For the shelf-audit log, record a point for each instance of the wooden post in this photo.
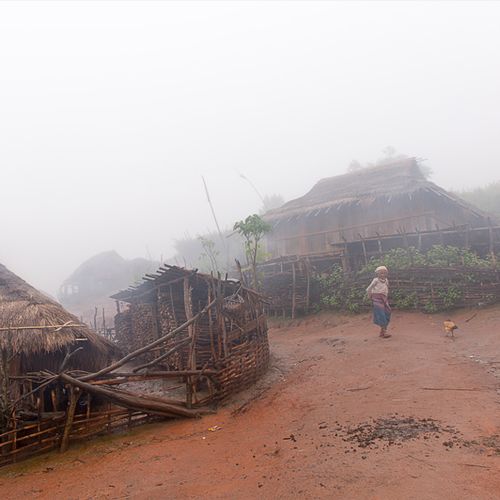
(364, 248)
(419, 244)
(490, 239)
(172, 303)
(345, 258)
(103, 322)
(407, 246)
(191, 364)
(221, 292)
(308, 288)
(210, 324)
(5, 395)
(379, 244)
(14, 442)
(89, 402)
(294, 296)
(53, 398)
(70, 415)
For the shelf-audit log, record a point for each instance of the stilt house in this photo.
(374, 202)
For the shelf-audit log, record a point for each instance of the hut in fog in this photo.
(370, 203)
(91, 284)
(39, 331)
(36, 334)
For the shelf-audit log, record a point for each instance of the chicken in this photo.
(450, 327)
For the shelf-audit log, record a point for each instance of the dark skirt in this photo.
(381, 310)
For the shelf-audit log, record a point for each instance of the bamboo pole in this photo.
(40, 327)
(4, 397)
(191, 365)
(308, 286)
(73, 400)
(133, 401)
(210, 322)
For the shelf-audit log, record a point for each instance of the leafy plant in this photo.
(430, 307)
(253, 229)
(402, 301)
(447, 288)
(437, 256)
(337, 292)
(451, 297)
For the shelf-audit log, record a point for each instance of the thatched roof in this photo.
(364, 187)
(21, 305)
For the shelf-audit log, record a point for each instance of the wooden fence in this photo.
(32, 439)
(433, 289)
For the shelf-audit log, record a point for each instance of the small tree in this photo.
(253, 229)
(210, 254)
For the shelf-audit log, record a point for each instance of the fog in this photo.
(110, 113)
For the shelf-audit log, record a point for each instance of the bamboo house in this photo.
(371, 203)
(220, 330)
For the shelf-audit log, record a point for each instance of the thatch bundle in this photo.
(22, 306)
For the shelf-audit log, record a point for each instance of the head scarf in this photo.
(381, 268)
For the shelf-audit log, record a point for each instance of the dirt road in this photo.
(342, 414)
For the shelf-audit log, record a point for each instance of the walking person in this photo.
(378, 293)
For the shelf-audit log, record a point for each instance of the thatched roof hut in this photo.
(92, 282)
(21, 307)
(382, 200)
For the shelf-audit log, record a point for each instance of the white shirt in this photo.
(378, 286)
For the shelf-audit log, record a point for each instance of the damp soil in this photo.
(341, 414)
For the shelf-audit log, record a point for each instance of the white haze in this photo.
(110, 112)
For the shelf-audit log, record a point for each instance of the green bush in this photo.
(337, 292)
(437, 256)
(430, 307)
(347, 292)
(402, 301)
(451, 296)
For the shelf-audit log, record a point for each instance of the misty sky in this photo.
(110, 113)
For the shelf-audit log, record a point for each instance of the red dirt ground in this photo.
(285, 437)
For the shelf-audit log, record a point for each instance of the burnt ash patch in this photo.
(488, 444)
(396, 429)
